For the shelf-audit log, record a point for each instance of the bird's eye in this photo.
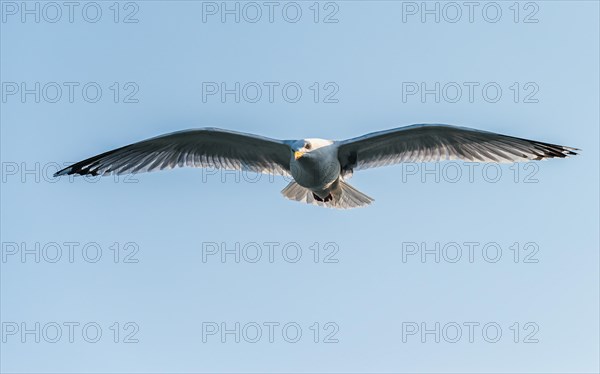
(307, 146)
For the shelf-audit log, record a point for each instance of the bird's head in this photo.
(304, 147)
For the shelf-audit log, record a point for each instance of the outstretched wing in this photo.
(424, 143)
(207, 147)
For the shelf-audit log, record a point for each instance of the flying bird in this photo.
(319, 167)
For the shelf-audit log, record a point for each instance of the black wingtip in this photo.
(570, 151)
(65, 171)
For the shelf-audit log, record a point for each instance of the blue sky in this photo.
(141, 258)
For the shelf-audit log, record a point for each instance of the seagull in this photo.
(319, 167)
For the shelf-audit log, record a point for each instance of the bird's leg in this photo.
(326, 199)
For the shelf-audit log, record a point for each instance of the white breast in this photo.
(317, 169)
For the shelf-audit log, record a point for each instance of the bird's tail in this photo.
(343, 196)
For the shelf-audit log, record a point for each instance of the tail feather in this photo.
(344, 196)
(353, 198)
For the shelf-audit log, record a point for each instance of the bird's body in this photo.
(318, 169)
(319, 166)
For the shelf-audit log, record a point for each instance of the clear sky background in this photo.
(368, 290)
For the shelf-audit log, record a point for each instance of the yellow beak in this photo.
(298, 154)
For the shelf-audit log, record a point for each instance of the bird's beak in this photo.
(298, 154)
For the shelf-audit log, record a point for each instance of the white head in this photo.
(304, 146)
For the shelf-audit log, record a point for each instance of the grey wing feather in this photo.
(207, 147)
(424, 143)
